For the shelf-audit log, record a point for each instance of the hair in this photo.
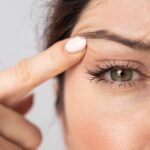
(61, 19)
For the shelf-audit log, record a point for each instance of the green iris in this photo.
(119, 74)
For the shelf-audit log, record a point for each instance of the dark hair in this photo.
(62, 17)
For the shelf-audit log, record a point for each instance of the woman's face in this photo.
(107, 95)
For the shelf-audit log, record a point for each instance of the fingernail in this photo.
(75, 44)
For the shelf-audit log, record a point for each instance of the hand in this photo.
(16, 133)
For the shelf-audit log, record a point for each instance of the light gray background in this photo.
(17, 41)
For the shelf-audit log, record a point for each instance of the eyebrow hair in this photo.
(105, 34)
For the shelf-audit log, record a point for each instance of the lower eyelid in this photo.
(121, 86)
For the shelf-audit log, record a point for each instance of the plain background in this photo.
(18, 41)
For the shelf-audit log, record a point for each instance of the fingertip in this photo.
(75, 44)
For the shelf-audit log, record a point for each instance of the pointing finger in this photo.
(31, 72)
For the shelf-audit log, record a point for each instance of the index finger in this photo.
(31, 72)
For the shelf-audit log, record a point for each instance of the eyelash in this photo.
(98, 72)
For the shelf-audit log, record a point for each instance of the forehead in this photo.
(127, 17)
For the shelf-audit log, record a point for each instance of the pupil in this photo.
(121, 73)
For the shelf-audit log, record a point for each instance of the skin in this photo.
(17, 133)
(103, 116)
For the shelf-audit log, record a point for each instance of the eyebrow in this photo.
(105, 34)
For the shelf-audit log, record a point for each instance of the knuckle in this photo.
(22, 71)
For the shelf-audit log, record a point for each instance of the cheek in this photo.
(98, 121)
(85, 131)
(82, 121)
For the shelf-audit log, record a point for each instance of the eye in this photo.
(118, 73)
(122, 75)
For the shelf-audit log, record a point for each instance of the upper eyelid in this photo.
(131, 63)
